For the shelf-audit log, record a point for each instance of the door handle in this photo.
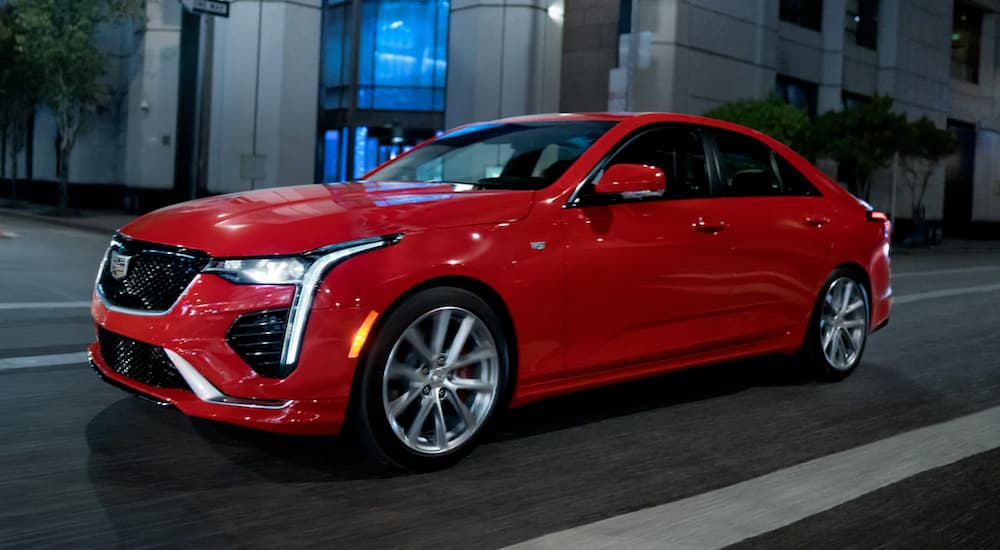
(818, 221)
(704, 226)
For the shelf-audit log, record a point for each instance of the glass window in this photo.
(746, 166)
(331, 155)
(336, 55)
(797, 92)
(402, 59)
(792, 181)
(966, 27)
(805, 13)
(676, 151)
(861, 23)
(513, 156)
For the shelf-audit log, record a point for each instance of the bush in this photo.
(770, 116)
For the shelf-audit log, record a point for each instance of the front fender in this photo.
(522, 262)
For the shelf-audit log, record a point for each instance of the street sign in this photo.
(219, 8)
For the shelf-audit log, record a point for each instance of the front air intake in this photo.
(258, 338)
(144, 363)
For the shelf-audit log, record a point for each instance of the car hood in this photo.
(289, 220)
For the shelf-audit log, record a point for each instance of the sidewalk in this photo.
(104, 222)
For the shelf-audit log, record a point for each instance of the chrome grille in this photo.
(144, 363)
(155, 277)
(258, 338)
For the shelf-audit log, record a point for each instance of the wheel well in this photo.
(863, 275)
(475, 286)
(484, 291)
(480, 289)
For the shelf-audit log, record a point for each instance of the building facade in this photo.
(935, 58)
(284, 92)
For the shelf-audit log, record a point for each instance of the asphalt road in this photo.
(84, 465)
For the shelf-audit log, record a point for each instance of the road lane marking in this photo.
(731, 514)
(943, 293)
(44, 305)
(35, 361)
(955, 271)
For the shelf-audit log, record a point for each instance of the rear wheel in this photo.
(432, 380)
(838, 327)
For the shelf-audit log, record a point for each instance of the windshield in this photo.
(527, 155)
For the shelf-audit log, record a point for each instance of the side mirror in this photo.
(631, 178)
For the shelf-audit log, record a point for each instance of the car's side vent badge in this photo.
(538, 245)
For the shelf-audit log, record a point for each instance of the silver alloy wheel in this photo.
(441, 380)
(843, 324)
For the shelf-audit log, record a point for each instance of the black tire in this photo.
(369, 422)
(812, 352)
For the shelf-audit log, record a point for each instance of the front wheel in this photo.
(432, 379)
(838, 327)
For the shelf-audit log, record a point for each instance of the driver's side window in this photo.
(676, 151)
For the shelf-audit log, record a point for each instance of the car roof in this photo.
(647, 117)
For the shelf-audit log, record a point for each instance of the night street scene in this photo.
(500, 274)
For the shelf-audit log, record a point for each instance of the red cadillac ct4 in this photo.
(495, 265)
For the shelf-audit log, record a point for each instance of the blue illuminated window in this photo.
(402, 55)
(402, 59)
(331, 155)
(361, 164)
(335, 155)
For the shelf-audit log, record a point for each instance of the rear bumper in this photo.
(881, 310)
(313, 416)
(882, 325)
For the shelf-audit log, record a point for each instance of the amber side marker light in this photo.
(362, 335)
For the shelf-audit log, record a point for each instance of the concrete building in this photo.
(936, 58)
(322, 90)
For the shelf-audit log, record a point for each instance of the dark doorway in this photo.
(958, 180)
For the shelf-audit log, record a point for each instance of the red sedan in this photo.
(498, 264)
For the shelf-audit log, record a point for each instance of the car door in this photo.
(779, 231)
(646, 276)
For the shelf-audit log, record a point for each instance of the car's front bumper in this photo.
(314, 416)
(311, 399)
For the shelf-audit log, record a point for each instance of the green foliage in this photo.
(922, 146)
(923, 139)
(865, 137)
(770, 116)
(54, 39)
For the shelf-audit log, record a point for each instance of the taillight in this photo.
(876, 216)
(882, 218)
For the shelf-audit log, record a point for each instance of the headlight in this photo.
(260, 271)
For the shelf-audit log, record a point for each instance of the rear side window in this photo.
(746, 166)
(792, 181)
(751, 169)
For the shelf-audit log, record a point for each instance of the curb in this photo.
(79, 224)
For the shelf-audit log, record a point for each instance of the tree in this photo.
(864, 137)
(770, 116)
(922, 146)
(18, 95)
(56, 39)
(6, 65)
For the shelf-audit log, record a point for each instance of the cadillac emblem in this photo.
(119, 265)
